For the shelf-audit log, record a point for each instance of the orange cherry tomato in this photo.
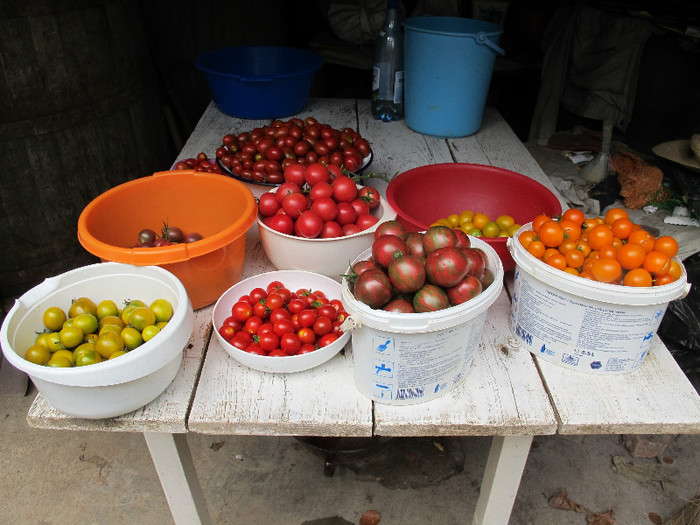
(551, 234)
(657, 263)
(526, 237)
(583, 246)
(606, 270)
(608, 252)
(575, 215)
(660, 280)
(591, 222)
(571, 230)
(676, 269)
(539, 221)
(621, 228)
(557, 260)
(572, 271)
(637, 277)
(574, 258)
(599, 236)
(566, 245)
(631, 255)
(614, 214)
(536, 248)
(667, 245)
(642, 237)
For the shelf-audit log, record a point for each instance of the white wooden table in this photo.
(509, 395)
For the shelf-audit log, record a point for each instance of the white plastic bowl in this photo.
(329, 257)
(292, 279)
(114, 387)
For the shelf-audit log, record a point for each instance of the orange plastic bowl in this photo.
(425, 194)
(218, 207)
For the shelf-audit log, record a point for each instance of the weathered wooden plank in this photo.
(503, 395)
(233, 399)
(166, 413)
(657, 398)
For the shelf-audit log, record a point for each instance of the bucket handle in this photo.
(482, 38)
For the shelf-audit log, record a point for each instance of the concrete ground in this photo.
(65, 477)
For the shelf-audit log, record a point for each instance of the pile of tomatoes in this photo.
(318, 201)
(169, 235)
(201, 163)
(610, 249)
(262, 154)
(87, 332)
(414, 272)
(275, 321)
(480, 225)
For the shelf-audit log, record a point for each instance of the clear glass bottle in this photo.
(387, 74)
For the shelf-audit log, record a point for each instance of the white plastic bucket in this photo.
(404, 359)
(581, 324)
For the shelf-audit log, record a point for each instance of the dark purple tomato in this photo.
(487, 278)
(385, 247)
(464, 290)
(414, 240)
(399, 305)
(162, 242)
(430, 298)
(438, 237)
(173, 234)
(463, 240)
(147, 235)
(476, 261)
(407, 273)
(373, 288)
(392, 227)
(446, 266)
(192, 237)
(361, 266)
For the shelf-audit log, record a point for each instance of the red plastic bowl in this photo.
(425, 194)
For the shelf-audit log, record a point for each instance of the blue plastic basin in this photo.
(259, 82)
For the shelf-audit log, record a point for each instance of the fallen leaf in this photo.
(601, 518)
(562, 501)
(655, 518)
(216, 446)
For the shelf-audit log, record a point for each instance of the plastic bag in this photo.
(680, 327)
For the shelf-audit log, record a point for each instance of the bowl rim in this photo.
(177, 252)
(401, 178)
(314, 61)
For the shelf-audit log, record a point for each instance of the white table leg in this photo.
(173, 461)
(504, 468)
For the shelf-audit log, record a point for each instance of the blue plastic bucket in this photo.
(259, 82)
(448, 66)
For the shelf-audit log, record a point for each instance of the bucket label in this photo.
(578, 333)
(417, 367)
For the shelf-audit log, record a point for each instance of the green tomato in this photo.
(88, 358)
(132, 337)
(59, 362)
(71, 336)
(108, 343)
(150, 332)
(54, 318)
(163, 310)
(107, 308)
(37, 354)
(87, 323)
